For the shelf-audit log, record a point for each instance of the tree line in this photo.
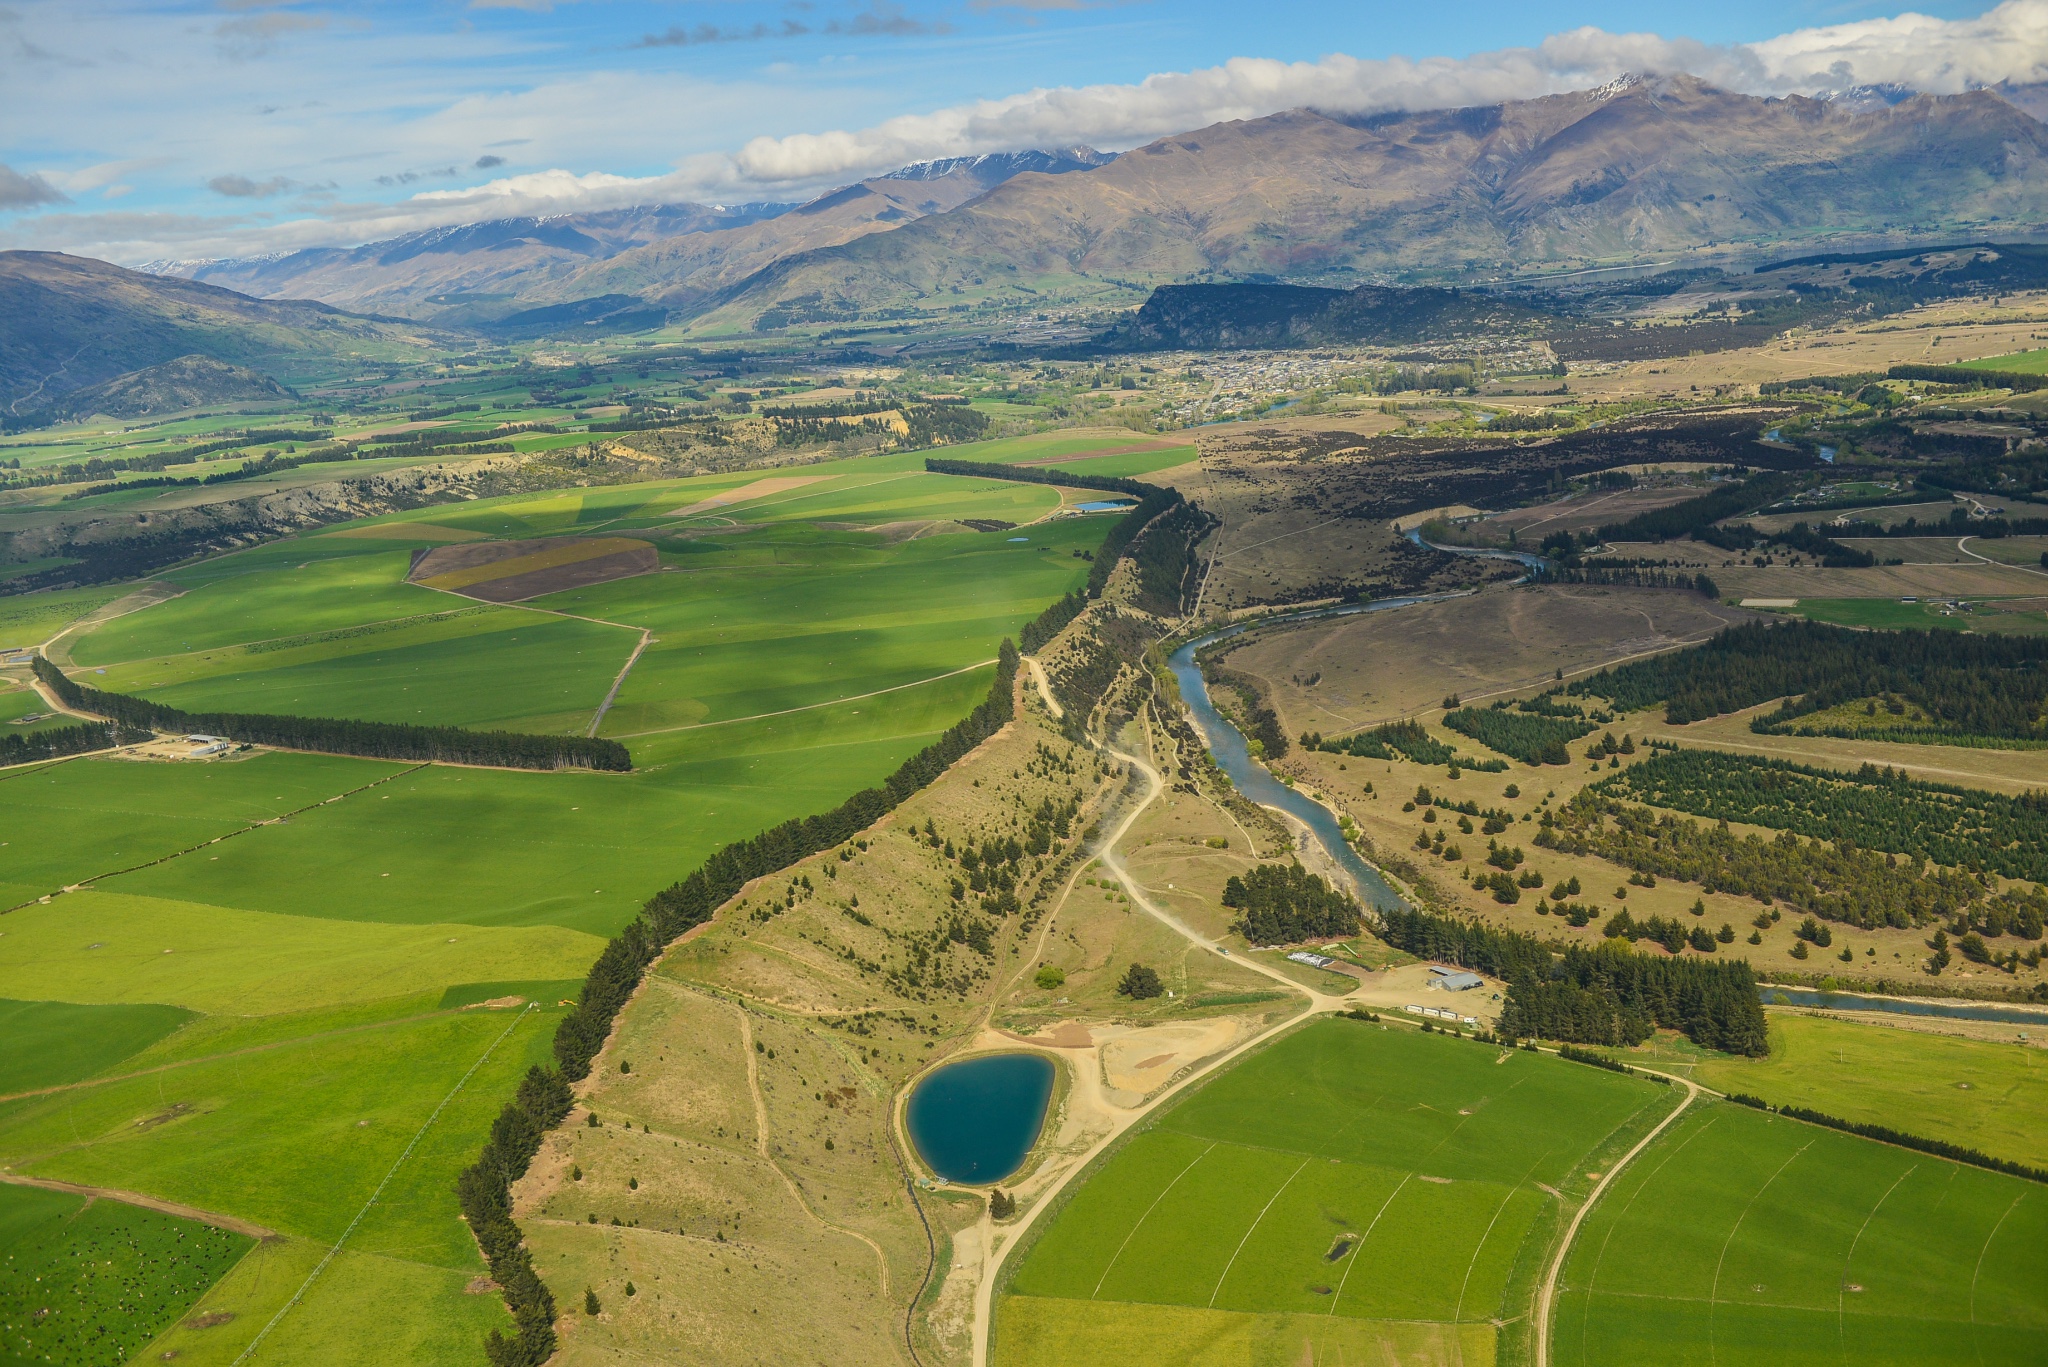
(1973, 378)
(1280, 904)
(57, 741)
(1604, 995)
(346, 736)
(1631, 576)
(1973, 684)
(1165, 559)
(1940, 1148)
(1696, 514)
(925, 424)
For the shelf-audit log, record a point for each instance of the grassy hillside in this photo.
(69, 322)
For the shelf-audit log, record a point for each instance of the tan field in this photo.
(1964, 580)
(1941, 334)
(1376, 667)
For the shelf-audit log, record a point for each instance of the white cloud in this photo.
(2009, 43)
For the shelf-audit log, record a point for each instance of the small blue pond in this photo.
(1105, 507)
(974, 1121)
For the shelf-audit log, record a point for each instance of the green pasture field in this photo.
(16, 703)
(791, 617)
(1878, 613)
(284, 589)
(770, 611)
(503, 669)
(2018, 363)
(107, 947)
(1347, 1172)
(1988, 1096)
(83, 818)
(52, 1043)
(1889, 613)
(297, 1139)
(33, 618)
(1740, 1237)
(1071, 451)
(89, 1282)
(590, 848)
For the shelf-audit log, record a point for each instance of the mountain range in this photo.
(1659, 172)
(671, 255)
(1640, 170)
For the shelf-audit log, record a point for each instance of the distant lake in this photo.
(975, 1120)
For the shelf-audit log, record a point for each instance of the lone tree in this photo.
(590, 1305)
(1140, 982)
(1001, 1205)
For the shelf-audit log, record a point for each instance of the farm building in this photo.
(1451, 980)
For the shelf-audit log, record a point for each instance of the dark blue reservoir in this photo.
(975, 1120)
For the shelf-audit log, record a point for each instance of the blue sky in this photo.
(134, 130)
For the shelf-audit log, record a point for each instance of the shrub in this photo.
(1140, 983)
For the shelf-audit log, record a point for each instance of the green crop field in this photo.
(1984, 1095)
(34, 618)
(439, 671)
(248, 983)
(2018, 363)
(52, 1043)
(1349, 1186)
(1130, 455)
(85, 1283)
(1878, 613)
(1740, 1237)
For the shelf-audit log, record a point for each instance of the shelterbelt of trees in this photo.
(484, 1188)
(1605, 995)
(1990, 686)
(58, 741)
(344, 736)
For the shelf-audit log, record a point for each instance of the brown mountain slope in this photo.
(67, 322)
(1629, 173)
(472, 266)
(674, 253)
(681, 272)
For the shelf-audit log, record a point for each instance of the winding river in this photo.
(1233, 753)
